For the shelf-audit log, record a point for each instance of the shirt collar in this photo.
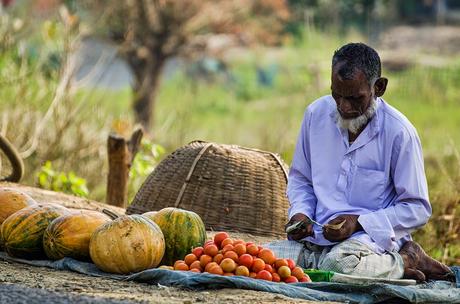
(375, 120)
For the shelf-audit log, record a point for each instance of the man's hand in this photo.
(306, 230)
(350, 226)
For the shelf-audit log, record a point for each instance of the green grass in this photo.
(430, 99)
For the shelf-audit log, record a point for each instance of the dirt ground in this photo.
(29, 284)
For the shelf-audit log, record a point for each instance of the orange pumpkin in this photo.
(11, 201)
(127, 244)
(69, 235)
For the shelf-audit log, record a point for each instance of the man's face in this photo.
(352, 96)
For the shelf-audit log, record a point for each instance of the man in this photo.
(358, 173)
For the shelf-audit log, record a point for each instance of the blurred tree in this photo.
(368, 16)
(297, 22)
(151, 31)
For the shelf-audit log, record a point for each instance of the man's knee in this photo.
(359, 264)
(345, 263)
(286, 249)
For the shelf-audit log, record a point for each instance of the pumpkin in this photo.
(183, 230)
(150, 214)
(69, 235)
(11, 201)
(22, 232)
(127, 244)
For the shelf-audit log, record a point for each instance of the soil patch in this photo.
(28, 284)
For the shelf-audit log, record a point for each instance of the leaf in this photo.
(43, 180)
(62, 182)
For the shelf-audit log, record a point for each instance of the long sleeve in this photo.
(411, 208)
(300, 189)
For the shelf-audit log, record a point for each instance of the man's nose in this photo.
(344, 105)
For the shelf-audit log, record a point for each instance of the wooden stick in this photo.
(121, 154)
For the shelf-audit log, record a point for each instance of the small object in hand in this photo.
(296, 226)
(336, 226)
(310, 221)
(302, 224)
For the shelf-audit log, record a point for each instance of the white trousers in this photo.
(348, 257)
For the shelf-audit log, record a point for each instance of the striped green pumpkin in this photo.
(22, 232)
(12, 201)
(183, 230)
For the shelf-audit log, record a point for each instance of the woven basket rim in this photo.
(276, 156)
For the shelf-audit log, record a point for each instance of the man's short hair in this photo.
(358, 56)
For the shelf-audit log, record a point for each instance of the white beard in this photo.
(354, 124)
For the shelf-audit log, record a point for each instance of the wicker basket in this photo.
(232, 188)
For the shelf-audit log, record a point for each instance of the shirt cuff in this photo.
(302, 208)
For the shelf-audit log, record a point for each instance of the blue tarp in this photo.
(432, 292)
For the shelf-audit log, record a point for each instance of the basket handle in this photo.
(189, 175)
(274, 155)
(278, 160)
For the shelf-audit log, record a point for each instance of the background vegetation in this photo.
(61, 126)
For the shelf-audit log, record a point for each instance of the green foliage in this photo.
(145, 161)
(49, 178)
(44, 116)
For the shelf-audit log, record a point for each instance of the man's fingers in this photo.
(292, 221)
(334, 238)
(298, 217)
(333, 235)
(414, 274)
(302, 233)
(298, 235)
(334, 231)
(310, 231)
(336, 221)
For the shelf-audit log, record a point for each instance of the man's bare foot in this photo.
(420, 266)
(414, 274)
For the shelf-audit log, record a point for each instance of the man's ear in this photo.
(380, 86)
